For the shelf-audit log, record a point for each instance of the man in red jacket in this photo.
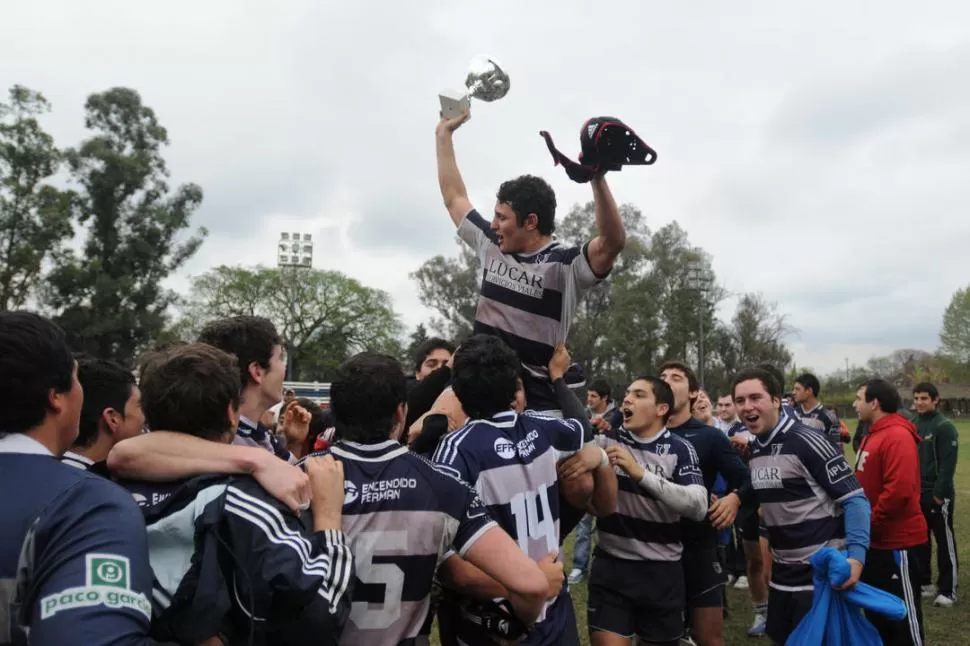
(887, 467)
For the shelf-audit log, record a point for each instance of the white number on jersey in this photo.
(525, 510)
(366, 615)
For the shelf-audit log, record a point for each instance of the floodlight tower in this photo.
(295, 250)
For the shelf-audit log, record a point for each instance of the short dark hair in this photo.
(928, 388)
(189, 389)
(662, 393)
(692, 383)
(601, 387)
(366, 392)
(429, 346)
(35, 359)
(884, 392)
(768, 380)
(530, 194)
(483, 376)
(775, 373)
(106, 385)
(248, 338)
(809, 382)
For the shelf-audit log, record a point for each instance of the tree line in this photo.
(88, 235)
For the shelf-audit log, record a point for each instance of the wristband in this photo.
(604, 458)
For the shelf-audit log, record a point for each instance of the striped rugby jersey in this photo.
(528, 300)
(511, 461)
(822, 420)
(800, 481)
(643, 528)
(401, 516)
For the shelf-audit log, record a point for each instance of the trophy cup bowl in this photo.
(486, 81)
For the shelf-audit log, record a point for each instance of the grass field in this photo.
(943, 627)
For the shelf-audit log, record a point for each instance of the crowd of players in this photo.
(448, 497)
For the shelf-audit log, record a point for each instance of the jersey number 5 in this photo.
(364, 614)
(526, 508)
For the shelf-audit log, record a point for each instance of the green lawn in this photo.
(943, 627)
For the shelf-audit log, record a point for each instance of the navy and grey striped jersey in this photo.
(643, 528)
(823, 420)
(511, 461)
(73, 553)
(255, 434)
(228, 558)
(528, 300)
(401, 516)
(800, 479)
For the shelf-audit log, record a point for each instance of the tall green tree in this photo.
(449, 286)
(955, 331)
(35, 216)
(109, 298)
(324, 317)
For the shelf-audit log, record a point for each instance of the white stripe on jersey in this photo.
(270, 521)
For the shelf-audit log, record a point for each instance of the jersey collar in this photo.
(24, 444)
(386, 450)
(784, 423)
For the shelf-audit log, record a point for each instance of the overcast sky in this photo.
(819, 150)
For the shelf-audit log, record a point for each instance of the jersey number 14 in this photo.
(527, 507)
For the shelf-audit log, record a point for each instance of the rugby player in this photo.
(511, 460)
(111, 413)
(401, 514)
(532, 284)
(808, 493)
(810, 411)
(73, 551)
(636, 584)
(227, 558)
(704, 576)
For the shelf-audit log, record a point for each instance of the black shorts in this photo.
(750, 526)
(704, 578)
(785, 611)
(642, 598)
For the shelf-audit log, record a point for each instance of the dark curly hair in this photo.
(484, 376)
(530, 194)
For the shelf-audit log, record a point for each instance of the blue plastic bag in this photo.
(836, 618)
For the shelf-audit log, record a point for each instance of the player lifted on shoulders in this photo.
(532, 284)
(511, 460)
(636, 585)
(401, 514)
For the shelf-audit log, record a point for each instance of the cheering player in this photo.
(401, 514)
(532, 284)
(636, 585)
(511, 459)
(809, 496)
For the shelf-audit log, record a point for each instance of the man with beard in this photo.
(704, 577)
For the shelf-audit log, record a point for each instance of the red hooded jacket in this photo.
(887, 467)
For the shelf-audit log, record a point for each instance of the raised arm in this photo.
(452, 186)
(605, 247)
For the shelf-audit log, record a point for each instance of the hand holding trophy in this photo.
(486, 81)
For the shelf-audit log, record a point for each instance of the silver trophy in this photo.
(486, 81)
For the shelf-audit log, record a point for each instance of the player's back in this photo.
(511, 461)
(401, 516)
